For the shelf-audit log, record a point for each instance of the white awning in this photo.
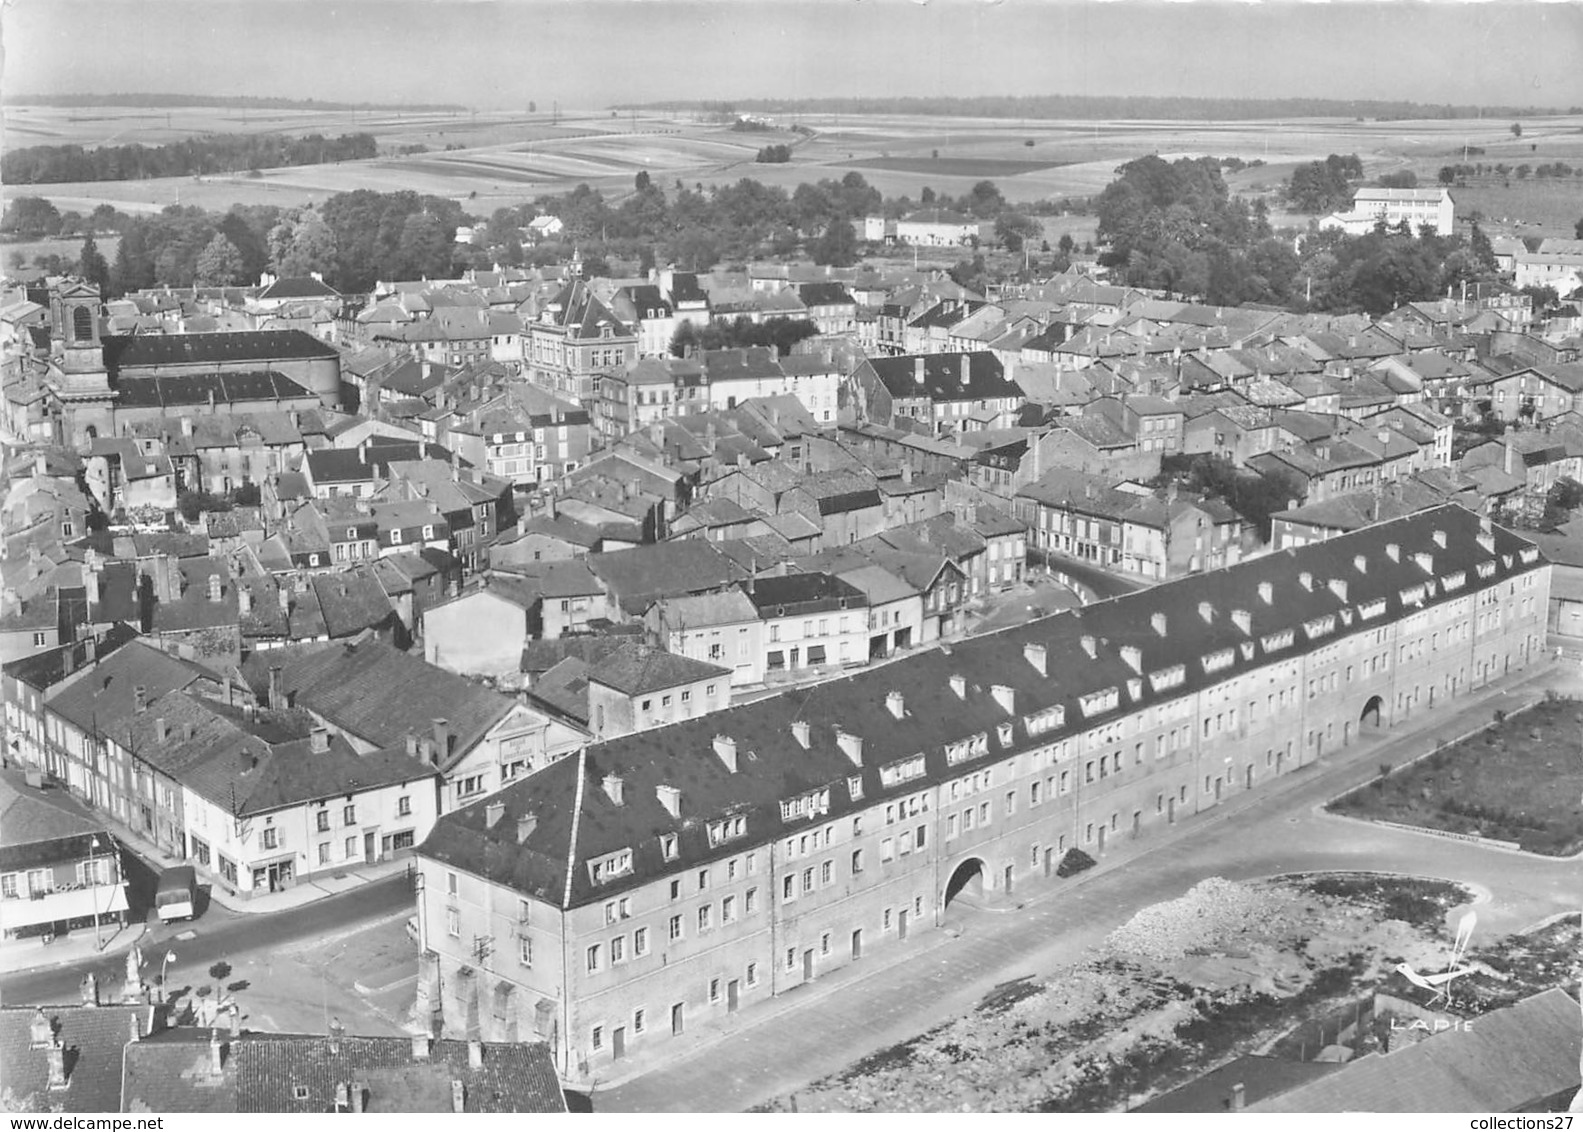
(70, 905)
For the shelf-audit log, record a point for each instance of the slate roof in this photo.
(700, 611)
(189, 389)
(105, 697)
(303, 1073)
(134, 351)
(567, 794)
(260, 763)
(539, 657)
(642, 574)
(299, 287)
(380, 694)
(352, 601)
(33, 818)
(1506, 1061)
(93, 1037)
(634, 669)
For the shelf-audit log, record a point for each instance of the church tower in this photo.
(77, 378)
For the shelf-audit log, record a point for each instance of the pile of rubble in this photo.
(1211, 915)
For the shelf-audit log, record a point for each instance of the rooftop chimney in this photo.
(1361, 564)
(851, 745)
(319, 740)
(56, 1053)
(458, 1095)
(896, 704)
(1006, 697)
(337, 1032)
(216, 1054)
(1239, 1097)
(726, 748)
(1090, 645)
(959, 685)
(1306, 580)
(140, 697)
(442, 738)
(800, 732)
(1243, 620)
(967, 369)
(1393, 551)
(526, 824)
(277, 694)
(216, 590)
(40, 1032)
(1206, 610)
(420, 1047)
(615, 789)
(475, 1055)
(493, 812)
(1036, 655)
(1132, 657)
(1157, 621)
(161, 731)
(917, 370)
(670, 798)
(1266, 593)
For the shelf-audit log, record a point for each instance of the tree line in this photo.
(237, 101)
(1173, 226)
(212, 153)
(1110, 106)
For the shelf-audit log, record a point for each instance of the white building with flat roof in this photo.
(1418, 207)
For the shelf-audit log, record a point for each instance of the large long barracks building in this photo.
(659, 882)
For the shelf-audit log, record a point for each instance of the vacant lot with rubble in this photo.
(1226, 969)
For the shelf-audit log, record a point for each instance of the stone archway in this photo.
(1372, 714)
(966, 882)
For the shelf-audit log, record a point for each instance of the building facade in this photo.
(661, 882)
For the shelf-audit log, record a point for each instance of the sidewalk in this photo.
(32, 954)
(864, 1008)
(306, 891)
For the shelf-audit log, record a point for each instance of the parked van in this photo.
(177, 893)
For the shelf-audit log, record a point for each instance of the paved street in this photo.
(1253, 835)
(219, 935)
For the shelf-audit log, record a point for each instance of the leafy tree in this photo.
(838, 246)
(1324, 186)
(30, 217)
(1523, 171)
(1013, 230)
(1403, 179)
(685, 341)
(134, 262)
(219, 264)
(926, 197)
(1544, 297)
(311, 247)
(91, 265)
(1066, 245)
(422, 249)
(105, 218)
(985, 201)
(1517, 129)
(1577, 230)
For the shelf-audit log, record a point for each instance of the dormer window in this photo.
(727, 829)
(668, 846)
(610, 867)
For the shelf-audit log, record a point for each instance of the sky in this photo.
(491, 54)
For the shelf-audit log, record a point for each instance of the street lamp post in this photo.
(170, 957)
(93, 872)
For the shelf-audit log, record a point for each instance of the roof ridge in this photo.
(577, 814)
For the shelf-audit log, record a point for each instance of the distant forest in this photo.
(239, 102)
(211, 153)
(1107, 106)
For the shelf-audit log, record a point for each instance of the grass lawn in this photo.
(1519, 780)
